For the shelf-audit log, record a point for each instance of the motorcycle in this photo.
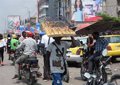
(15, 54)
(28, 70)
(99, 76)
(12, 57)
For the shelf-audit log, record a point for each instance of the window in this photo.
(115, 39)
(118, 1)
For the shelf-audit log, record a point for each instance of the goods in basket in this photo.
(54, 29)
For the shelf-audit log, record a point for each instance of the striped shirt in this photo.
(100, 44)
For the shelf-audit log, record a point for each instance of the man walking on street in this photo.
(56, 52)
(46, 69)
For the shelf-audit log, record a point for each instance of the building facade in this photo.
(54, 8)
(43, 9)
(57, 8)
(112, 7)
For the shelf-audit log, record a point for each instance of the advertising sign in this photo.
(13, 21)
(38, 26)
(85, 10)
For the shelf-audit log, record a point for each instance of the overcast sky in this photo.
(15, 7)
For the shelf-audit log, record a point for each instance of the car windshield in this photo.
(113, 39)
(84, 40)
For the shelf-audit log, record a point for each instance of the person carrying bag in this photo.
(58, 65)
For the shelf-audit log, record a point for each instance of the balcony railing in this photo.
(118, 8)
(43, 2)
(44, 7)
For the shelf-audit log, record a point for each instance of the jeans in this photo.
(57, 79)
(21, 59)
(93, 58)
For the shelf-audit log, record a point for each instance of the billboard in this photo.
(85, 10)
(13, 21)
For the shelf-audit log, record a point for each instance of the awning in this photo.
(84, 25)
(83, 28)
(100, 26)
(88, 21)
(93, 19)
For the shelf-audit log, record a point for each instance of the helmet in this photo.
(14, 36)
(29, 34)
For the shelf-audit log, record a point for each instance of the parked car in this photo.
(74, 53)
(113, 46)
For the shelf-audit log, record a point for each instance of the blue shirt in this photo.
(78, 15)
(100, 44)
(31, 29)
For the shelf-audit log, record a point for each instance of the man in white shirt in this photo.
(46, 41)
(23, 36)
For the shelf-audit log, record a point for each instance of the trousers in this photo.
(21, 59)
(93, 58)
(57, 79)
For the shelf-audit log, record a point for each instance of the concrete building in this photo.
(43, 9)
(54, 8)
(59, 7)
(112, 7)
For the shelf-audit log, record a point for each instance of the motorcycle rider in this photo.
(23, 36)
(13, 45)
(30, 48)
(99, 45)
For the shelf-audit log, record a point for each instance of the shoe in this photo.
(45, 80)
(2, 63)
(39, 74)
(16, 76)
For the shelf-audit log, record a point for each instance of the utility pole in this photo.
(28, 11)
(38, 1)
(59, 8)
(29, 14)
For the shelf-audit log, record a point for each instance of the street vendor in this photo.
(57, 52)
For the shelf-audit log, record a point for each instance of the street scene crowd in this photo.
(60, 42)
(23, 49)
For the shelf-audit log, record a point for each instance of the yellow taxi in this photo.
(114, 45)
(74, 53)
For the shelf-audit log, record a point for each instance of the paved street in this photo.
(7, 72)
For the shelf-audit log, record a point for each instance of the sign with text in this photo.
(13, 21)
(85, 10)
